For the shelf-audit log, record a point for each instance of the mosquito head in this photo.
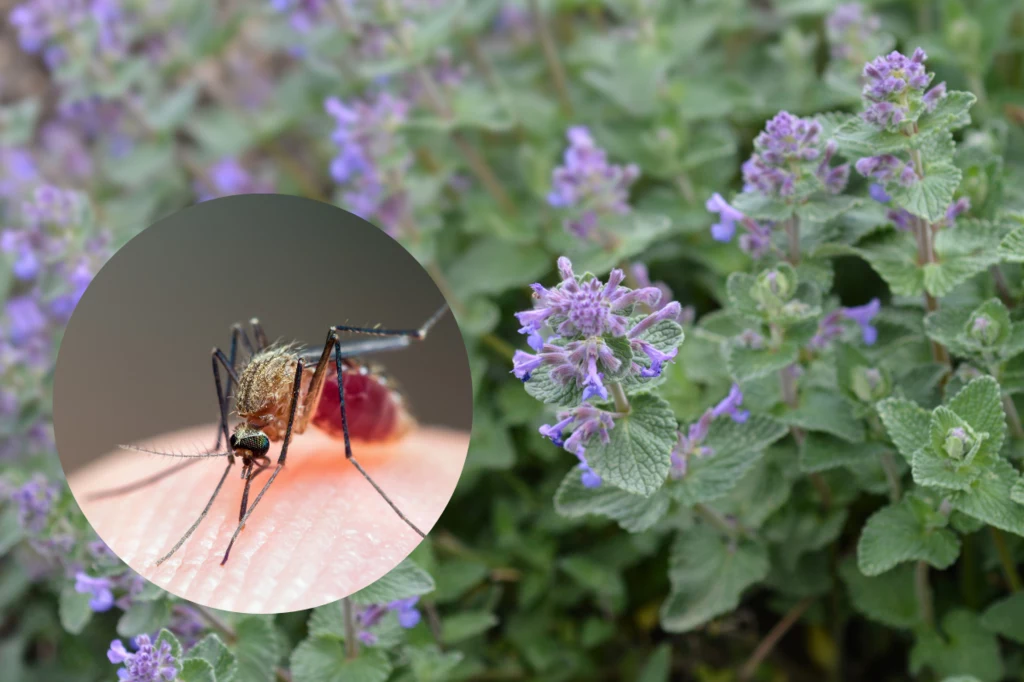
(248, 441)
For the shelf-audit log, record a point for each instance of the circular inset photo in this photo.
(262, 403)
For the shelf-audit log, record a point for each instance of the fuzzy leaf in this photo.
(894, 257)
(963, 647)
(1011, 249)
(826, 412)
(462, 626)
(636, 458)
(1006, 617)
(747, 364)
(634, 513)
(888, 598)
(709, 573)
(989, 498)
(196, 670)
(760, 206)
(900, 533)
(822, 452)
(737, 447)
(962, 253)
(144, 617)
(857, 137)
(493, 265)
(212, 650)
(258, 649)
(908, 424)
(547, 389)
(74, 610)
(825, 207)
(930, 196)
(404, 580)
(951, 112)
(980, 404)
(319, 659)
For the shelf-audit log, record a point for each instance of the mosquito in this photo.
(283, 389)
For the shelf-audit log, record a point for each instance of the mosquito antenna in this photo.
(432, 321)
(179, 455)
(141, 483)
(348, 444)
(202, 516)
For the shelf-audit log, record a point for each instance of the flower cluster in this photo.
(781, 155)
(369, 616)
(850, 30)
(46, 26)
(589, 184)
(586, 422)
(757, 239)
(582, 313)
(831, 326)
(894, 88)
(887, 168)
(691, 444)
(35, 500)
(371, 164)
(303, 15)
(227, 177)
(149, 663)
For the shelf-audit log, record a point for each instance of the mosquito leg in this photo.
(280, 460)
(202, 515)
(250, 474)
(415, 334)
(257, 331)
(348, 443)
(141, 483)
(236, 332)
(222, 400)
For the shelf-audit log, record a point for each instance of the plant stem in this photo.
(547, 44)
(926, 254)
(1002, 286)
(793, 233)
(621, 401)
(1016, 428)
(772, 638)
(218, 623)
(1006, 559)
(923, 590)
(351, 647)
(731, 530)
(889, 466)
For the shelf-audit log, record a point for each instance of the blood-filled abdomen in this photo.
(375, 411)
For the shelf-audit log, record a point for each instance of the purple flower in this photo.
(25, 319)
(932, 97)
(587, 183)
(887, 168)
(757, 239)
(730, 405)
(786, 143)
(850, 30)
(891, 84)
(956, 209)
(371, 615)
(691, 444)
(879, 194)
(586, 423)
(303, 15)
(408, 615)
(99, 588)
(643, 280)
(863, 315)
(228, 177)
(371, 162)
(35, 501)
(148, 664)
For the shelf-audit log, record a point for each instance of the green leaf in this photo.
(461, 626)
(980, 404)
(1011, 248)
(951, 112)
(636, 458)
(196, 670)
(904, 532)
(822, 452)
(74, 610)
(736, 448)
(658, 666)
(144, 617)
(403, 581)
(931, 195)
(142, 165)
(888, 598)
(894, 257)
(989, 498)
(824, 207)
(747, 364)
(492, 265)
(1006, 617)
(319, 659)
(760, 206)
(908, 424)
(709, 573)
(430, 664)
(826, 412)
(545, 388)
(857, 137)
(212, 650)
(634, 513)
(172, 110)
(962, 253)
(166, 635)
(258, 649)
(963, 647)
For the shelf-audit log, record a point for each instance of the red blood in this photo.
(371, 408)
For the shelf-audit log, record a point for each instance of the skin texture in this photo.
(320, 533)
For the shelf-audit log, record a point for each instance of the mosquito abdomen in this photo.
(375, 411)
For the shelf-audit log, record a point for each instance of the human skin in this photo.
(320, 533)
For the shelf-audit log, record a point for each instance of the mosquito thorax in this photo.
(247, 441)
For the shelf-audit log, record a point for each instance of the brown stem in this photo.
(218, 623)
(547, 44)
(621, 401)
(1012, 416)
(923, 590)
(793, 233)
(1006, 559)
(1002, 286)
(773, 637)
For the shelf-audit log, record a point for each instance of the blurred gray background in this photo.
(135, 359)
